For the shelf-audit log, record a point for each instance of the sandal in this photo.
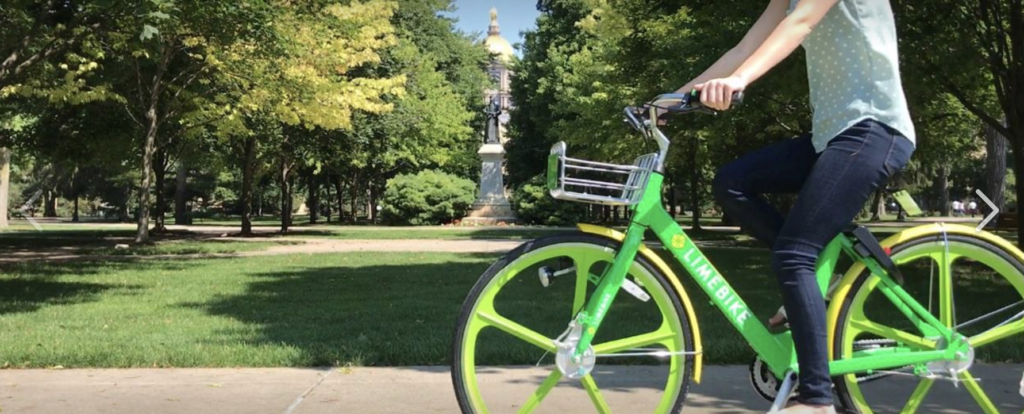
(778, 323)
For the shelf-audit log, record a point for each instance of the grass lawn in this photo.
(297, 310)
(91, 241)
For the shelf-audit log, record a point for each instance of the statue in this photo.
(493, 112)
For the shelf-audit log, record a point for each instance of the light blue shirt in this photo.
(853, 70)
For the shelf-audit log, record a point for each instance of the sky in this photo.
(514, 16)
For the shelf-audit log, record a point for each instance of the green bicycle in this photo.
(541, 317)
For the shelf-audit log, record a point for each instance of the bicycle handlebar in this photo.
(672, 103)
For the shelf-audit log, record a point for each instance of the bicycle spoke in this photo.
(918, 396)
(595, 395)
(519, 331)
(541, 392)
(996, 334)
(946, 305)
(582, 280)
(634, 341)
(889, 332)
(979, 395)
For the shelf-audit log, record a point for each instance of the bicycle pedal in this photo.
(548, 275)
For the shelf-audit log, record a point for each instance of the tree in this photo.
(35, 32)
(948, 39)
(309, 78)
(537, 79)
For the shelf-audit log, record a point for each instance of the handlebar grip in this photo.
(737, 98)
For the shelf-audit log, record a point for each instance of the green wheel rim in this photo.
(584, 255)
(857, 322)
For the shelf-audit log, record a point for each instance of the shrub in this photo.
(534, 205)
(429, 197)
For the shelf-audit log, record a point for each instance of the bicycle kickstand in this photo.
(785, 391)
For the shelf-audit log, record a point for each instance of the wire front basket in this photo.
(592, 182)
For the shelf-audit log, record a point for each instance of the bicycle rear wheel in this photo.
(504, 357)
(968, 284)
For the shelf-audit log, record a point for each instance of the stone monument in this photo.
(492, 206)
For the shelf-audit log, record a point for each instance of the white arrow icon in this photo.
(992, 215)
(28, 206)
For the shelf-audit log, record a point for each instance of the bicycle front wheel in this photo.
(505, 359)
(970, 285)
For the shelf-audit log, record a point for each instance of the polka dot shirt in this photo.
(853, 70)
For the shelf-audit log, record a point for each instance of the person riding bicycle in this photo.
(862, 134)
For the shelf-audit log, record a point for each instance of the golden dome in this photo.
(496, 44)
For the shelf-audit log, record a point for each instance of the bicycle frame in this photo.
(775, 349)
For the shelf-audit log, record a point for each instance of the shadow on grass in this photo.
(39, 270)
(28, 295)
(31, 286)
(371, 315)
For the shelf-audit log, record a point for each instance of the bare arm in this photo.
(784, 39)
(735, 57)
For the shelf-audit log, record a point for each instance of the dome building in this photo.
(502, 54)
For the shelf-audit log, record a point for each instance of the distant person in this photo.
(972, 208)
(957, 205)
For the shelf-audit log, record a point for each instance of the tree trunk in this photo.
(50, 203)
(995, 168)
(181, 213)
(5, 185)
(942, 187)
(74, 215)
(371, 211)
(286, 195)
(123, 212)
(329, 199)
(160, 175)
(142, 231)
(341, 199)
(1018, 168)
(879, 204)
(248, 170)
(313, 199)
(149, 147)
(353, 190)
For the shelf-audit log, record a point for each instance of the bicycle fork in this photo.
(607, 288)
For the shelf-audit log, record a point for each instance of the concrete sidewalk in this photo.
(725, 390)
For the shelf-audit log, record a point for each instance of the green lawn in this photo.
(89, 241)
(186, 247)
(297, 310)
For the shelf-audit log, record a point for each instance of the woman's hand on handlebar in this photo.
(717, 93)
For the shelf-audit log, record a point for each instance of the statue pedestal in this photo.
(491, 206)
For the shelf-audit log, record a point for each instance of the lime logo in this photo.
(678, 241)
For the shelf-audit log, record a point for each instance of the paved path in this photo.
(725, 390)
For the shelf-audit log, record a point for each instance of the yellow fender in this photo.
(839, 296)
(663, 267)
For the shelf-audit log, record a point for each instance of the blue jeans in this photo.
(832, 187)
